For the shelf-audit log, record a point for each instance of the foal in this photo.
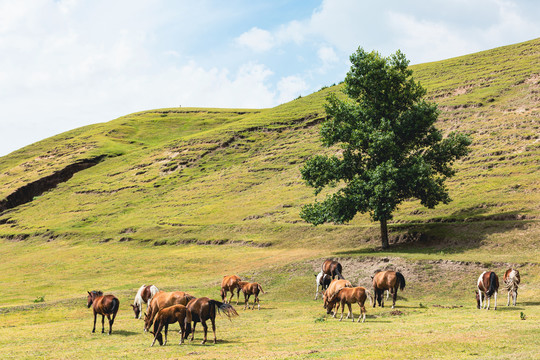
(104, 305)
(351, 296)
(170, 315)
(203, 309)
(330, 293)
(488, 285)
(162, 300)
(249, 289)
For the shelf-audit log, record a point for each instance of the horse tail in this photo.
(260, 288)
(227, 309)
(401, 280)
(370, 296)
(115, 306)
(492, 281)
(338, 272)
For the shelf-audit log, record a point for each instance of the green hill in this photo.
(232, 175)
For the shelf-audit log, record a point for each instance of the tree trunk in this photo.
(384, 234)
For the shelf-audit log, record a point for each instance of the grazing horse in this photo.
(387, 280)
(249, 289)
(323, 281)
(170, 315)
(105, 306)
(488, 285)
(162, 300)
(511, 280)
(330, 293)
(230, 283)
(144, 295)
(203, 309)
(332, 268)
(351, 296)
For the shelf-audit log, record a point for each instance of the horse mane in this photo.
(97, 292)
(138, 297)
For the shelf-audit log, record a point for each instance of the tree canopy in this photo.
(389, 147)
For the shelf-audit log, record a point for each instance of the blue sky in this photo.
(69, 63)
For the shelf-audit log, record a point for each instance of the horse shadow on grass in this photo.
(530, 303)
(124, 333)
(197, 342)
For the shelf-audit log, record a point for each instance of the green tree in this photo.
(389, 148)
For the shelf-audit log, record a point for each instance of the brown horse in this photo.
(105, 306)
(230, 283)
(387, 280)
(351, 296)
(330, 293)
(170, 315)
(203, 309)
(162, 300)
(511, 280)
(249, 289)
(488, 285)
(332, 268)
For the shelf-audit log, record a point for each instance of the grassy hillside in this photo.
(220, 191)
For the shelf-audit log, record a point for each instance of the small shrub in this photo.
(40, 299)
(523, 316)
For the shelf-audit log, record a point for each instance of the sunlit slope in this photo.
(195, 175)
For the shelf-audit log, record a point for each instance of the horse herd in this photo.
(165, 308)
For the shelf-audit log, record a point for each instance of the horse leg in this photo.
(193, 330)
(488, 300)
(362, 312)
(394, 297)
(102, 323)
(166, 330)
(213, 320)
(232, 294)
(110, 323)
(237, 296)
(205, 328)
(246, 298)
(316, 291)
(515, 297)
(495, 308)
(350, 312)
(156, 334)
(258, 302)
(182, 331)
(342, 309)
(94, 329)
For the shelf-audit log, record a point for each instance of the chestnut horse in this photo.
(387, 280)
(170, 315)
(488, 285)
(203, 309)
(330, 293)
(332, 268)
(249, 289)
(349, 296)
(511, 280)
(105, 306)
(323, 281)
(230, 283)
(162, 300)
(144, 295)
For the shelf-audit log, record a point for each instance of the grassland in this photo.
(184, 196)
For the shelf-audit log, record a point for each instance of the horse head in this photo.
(158, 337)
(92, 295)
(147, 322)
(136, 310)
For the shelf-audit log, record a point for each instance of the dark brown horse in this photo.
(511, 280)
(387, 280)
(332, 268)
(230, 283)
(105, 306)
(349, 296)
(144, 295)
(249, 289)
(203, 309)
(488, 286)
(162, 300)
(170, 315)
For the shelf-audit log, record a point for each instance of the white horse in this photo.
(511, 281)
(144, 295)
(323, 281)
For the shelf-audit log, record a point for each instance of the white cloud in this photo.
(257, 40)
(291, 87)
